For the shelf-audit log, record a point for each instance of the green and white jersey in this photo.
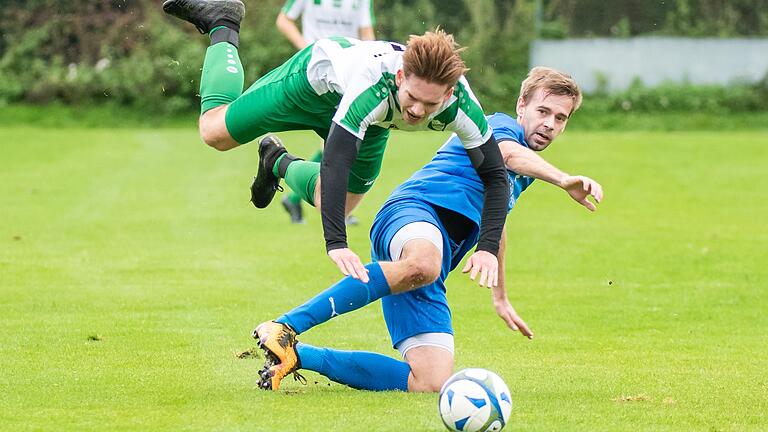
(326, 18)
(363, 74)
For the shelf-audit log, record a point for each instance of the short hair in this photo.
(553, 82)
(434, 57)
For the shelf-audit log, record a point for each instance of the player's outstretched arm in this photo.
(499, 293)
(339, 154)
(580, 188)
(525, 161)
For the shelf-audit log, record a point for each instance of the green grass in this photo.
(588, 118)
(649, 314)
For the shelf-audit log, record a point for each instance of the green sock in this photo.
(301, 176)
(317, 157)
(293, 196)
(222, 79)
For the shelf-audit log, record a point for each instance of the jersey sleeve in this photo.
(505, 128)
(292, 8)
(366, 18)
(470, 123)
(365, 102)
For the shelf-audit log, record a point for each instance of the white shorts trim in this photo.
(440, 340)
(413, 231)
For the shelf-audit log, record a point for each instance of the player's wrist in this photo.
(330, 247)
(486, 247)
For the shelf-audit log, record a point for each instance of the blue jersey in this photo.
(450, 181)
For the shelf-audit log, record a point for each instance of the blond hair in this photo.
(553, 82)
(434, 57)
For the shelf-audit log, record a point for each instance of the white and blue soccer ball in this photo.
(474, 400)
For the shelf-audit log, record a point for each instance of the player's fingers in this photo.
(523, 327)
(507, 316)
(361, 270)
(340, 264)
(594, 189)
(588, 204)
(349, 264)
(350, 269)
(473, 273)
(467, 266)
(494, 278)
(598, 193)
(357, 266)
(483, 276)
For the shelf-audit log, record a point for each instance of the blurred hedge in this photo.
(128, 53)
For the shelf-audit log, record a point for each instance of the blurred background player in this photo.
(322, 19)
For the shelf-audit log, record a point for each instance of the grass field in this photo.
(133, 268)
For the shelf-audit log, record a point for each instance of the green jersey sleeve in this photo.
(469, 122)
(364, 102)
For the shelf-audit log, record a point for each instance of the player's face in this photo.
(543, 117)
(419, 98)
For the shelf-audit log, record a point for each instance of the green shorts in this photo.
(283, 100)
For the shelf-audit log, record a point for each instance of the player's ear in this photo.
(448, 93)
(520, 107)
(399, 76)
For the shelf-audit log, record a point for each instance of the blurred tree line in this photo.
(127, 52)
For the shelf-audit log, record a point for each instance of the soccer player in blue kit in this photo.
(425, 228)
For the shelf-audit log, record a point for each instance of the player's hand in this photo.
(506, 312)
(349, 263)
(580, 187)
(487, 265)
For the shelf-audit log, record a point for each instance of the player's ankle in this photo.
(223, 33)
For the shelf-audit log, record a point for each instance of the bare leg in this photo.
(213, 129)
(430, 367)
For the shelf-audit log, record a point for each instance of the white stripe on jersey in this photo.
(363, 73)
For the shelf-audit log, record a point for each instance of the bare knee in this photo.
(428, 381)
(421, 271)
(430, 368)
(213, 130)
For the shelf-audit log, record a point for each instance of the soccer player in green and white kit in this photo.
(350, 93)
(322, 19)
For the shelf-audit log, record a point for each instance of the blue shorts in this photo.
(423, 310)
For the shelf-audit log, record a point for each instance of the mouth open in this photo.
(411, 118)
(542, 137)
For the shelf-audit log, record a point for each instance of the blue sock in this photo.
(357, 369)
(346, 295)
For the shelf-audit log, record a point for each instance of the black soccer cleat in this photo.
(295, 210)
(265, 184)
(207, 14)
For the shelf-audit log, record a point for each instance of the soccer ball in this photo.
(475, 400)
